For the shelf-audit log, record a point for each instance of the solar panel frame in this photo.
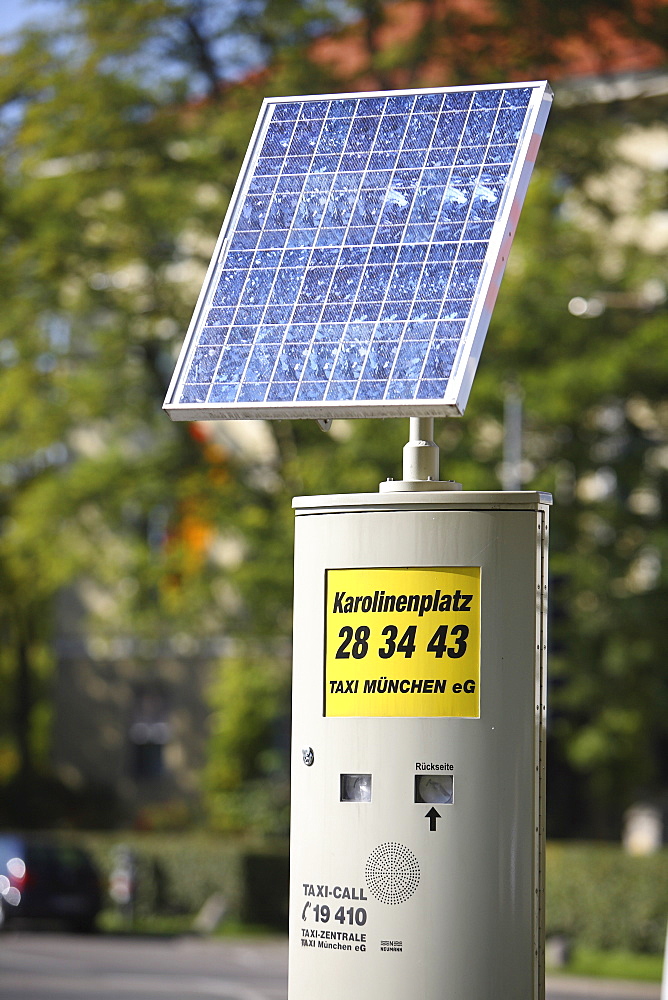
(363, 355)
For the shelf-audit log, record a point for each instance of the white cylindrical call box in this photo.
(418, 746)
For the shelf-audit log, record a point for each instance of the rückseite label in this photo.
(402, 642)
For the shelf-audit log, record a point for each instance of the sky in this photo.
(15, 14)
(238, 56)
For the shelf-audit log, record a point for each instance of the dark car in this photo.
(48, 880)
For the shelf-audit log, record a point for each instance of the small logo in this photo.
(391, 945)
(308, 756)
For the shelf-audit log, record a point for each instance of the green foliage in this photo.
(627, 965)
(601, 898)
(120, 143)
(111, 193)
(176, 874)
(245, 777)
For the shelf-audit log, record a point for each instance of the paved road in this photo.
(575, 988)
(40, 966)
(67, 967)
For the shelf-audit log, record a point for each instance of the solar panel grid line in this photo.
(372, 240)
(417, 285)
(501, 241)
(311, 343)
(273, 283)
(347, 227)
(362, 300)
(220, 253)
(299, 382)
(419, 278)
(469, 209)
(483, 320)
(215, 266)
(282, 255)
(460, 347)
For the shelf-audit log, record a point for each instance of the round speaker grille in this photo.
(392, 873)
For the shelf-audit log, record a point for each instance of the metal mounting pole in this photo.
(511, 476)
(421, 452)
(420, 466)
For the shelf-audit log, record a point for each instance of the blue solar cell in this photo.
(213, 335)
(223, 392)
(330, 236)
(281, 392)
(487, 99)
(457, 100)
(395, 310)
(516, 97)
(204, 364)
(315, 109)
(420, 329)
(425, 310)
(252, 392)
(410, 359)
(233, 363)
(311, 391)
(431, 388)
(306, 313)
(342, 109)
(195, 394)
(340, 391)
(241, 335)
(382, 161)
(335, 313)
(247, 240)
(354, 267)
(365, 311)
(287, 111)
(401, 105)
(270, 335)
(371, 106)
(428, 103)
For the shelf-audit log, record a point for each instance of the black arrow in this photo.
(432, 816)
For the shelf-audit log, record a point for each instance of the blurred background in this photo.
(146, 566)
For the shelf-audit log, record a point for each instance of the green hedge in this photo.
(602, 898)
(597, 895)
(177, 873)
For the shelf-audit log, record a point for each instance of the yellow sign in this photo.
(403, 642)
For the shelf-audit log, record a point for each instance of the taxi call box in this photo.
(418, 746)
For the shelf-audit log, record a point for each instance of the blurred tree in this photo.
(121, 141)
(123, 127)
(412, 43)
(104, 235)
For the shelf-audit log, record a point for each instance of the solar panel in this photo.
(361, 255)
